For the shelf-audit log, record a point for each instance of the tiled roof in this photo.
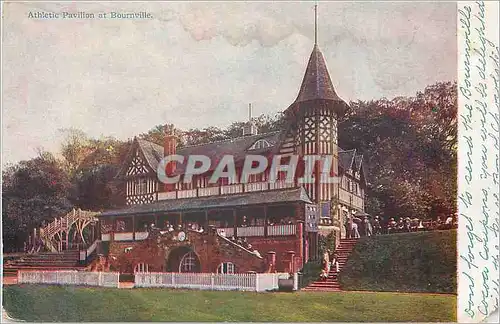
(152, 152)
(358, 160)
(215, 151)
(238, 148)
(346, 158)
(192, 204)
(317, 83)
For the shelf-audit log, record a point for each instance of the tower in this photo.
(313, 120)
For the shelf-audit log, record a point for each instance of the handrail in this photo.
(84, 254)
(63, 223)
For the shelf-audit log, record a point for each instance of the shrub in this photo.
(407, 262)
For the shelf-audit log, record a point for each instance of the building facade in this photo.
(274, 217)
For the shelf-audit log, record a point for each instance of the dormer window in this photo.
(260, 144)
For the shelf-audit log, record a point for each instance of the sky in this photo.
(198, 64)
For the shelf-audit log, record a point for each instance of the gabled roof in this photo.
(358, 160)
(152, 152)
(349, 159)
(192, 204)
(346, 158)
(238, 147)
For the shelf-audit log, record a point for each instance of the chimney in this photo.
(169, 148)
(249, 128)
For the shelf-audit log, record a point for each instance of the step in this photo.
(323, 286)
(321, 290)
(327, 282)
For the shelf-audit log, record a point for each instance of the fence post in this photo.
(212, 280)
(99, 280)
(295, 281)
(256, 282)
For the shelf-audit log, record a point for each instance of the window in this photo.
(141, 186)
(226, 268)
(189, 262)
(141, 267)
(260, 144)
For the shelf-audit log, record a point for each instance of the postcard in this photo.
(314, 161)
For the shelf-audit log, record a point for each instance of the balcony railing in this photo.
(356, 201)
(256, 231)
(250, 231)
(225, 190)
(127, 236)
(228, 231)
(141, 236)
(203, 192)
(281, 230)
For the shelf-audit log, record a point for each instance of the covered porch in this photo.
(256, 214)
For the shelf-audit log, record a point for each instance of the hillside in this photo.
(406, 262)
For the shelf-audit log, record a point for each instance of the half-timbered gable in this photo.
(352, 180)
(139, 173)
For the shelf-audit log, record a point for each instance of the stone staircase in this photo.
(66, 260)
(331, 283)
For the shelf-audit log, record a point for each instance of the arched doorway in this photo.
(183, 259)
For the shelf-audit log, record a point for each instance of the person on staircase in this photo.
(348, 229)
(335, 264)
(325, 265)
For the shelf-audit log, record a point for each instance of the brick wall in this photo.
(280, 245)
(155, 251)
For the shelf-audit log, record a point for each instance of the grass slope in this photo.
(406, 262)
(68, 304)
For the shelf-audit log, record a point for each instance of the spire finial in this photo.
(316, 23)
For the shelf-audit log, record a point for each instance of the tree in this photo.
(75, 147)
(409, 147)
(34, 191)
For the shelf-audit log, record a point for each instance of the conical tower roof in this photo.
(317, 86)
(316, 83)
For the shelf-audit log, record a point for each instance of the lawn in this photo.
(75, 304)
(406, 262)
